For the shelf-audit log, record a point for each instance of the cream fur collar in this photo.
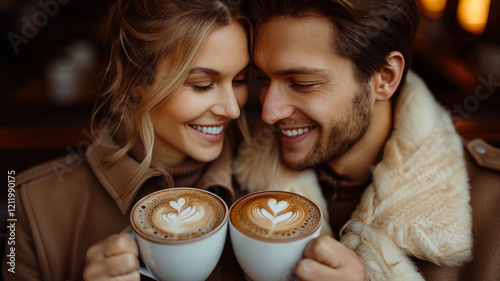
(418, 203)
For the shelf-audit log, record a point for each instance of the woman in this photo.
(177, 77)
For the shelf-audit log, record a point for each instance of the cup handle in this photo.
(142, 269)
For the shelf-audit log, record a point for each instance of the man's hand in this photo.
(114, 258)
(328, 259)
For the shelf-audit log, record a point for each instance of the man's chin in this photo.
(294, 164)
(308, 161)
(299, 160)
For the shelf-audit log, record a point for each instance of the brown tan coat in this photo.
(68, 204)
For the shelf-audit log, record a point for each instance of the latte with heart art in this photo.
(178, 214)
(276, 215)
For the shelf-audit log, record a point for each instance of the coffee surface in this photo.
(177, 214)
(275, 216)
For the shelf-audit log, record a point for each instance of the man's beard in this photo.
(338, 137)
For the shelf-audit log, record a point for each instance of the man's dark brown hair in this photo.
(365, 31)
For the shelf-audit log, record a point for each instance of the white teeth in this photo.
(209, 130)
(294, 132)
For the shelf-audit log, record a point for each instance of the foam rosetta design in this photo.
(178, 217)
(277, 216)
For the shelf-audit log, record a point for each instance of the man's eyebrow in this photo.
(299, 70)
(295, 70)
(204, 70)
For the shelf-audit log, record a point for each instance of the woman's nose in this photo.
(227, 105)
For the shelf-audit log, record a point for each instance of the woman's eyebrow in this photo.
(204, 70)
(211, 71)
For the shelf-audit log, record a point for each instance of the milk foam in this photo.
(178, 215)
(275, 216)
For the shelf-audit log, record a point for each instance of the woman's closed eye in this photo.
(203, 88)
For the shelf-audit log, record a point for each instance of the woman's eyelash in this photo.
(202, 89)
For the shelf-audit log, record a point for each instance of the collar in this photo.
(115, 178)
(335, 188)
(418, 203)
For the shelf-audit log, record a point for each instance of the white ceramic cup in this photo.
(191, 259)
(265, 257)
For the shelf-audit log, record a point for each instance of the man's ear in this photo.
(386, 81)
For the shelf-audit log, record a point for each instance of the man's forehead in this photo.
(289, 45)
(292, 32)
(305, 21)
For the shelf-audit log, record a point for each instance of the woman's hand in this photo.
(328, 259)
(114, 258)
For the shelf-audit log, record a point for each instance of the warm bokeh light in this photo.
(472, 15)
(433, 8)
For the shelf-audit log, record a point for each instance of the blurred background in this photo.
(457, 52)
(49, 73)
(51, 53)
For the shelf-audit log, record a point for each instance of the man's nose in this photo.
(275, 104)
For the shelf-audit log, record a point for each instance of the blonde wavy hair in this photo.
(140, 34)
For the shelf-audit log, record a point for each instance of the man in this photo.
(362, 136)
